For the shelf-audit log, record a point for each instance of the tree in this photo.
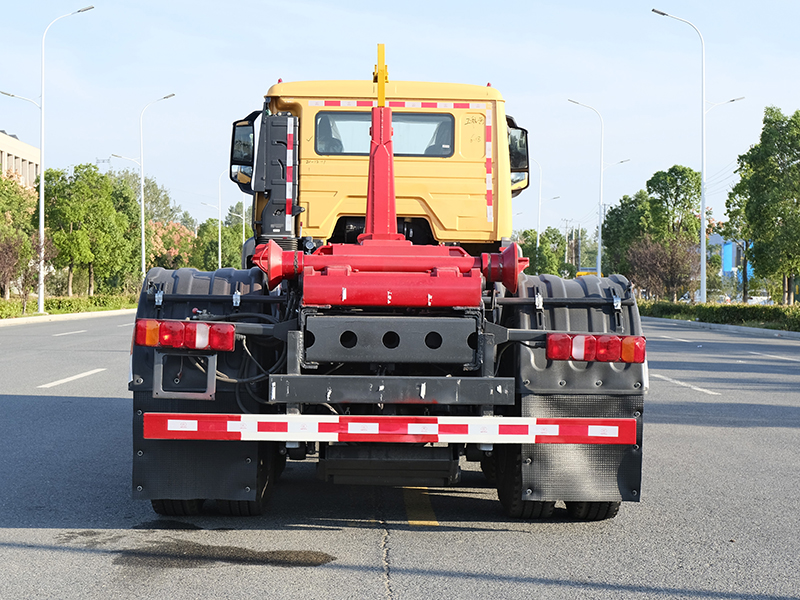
(204, 251)
(771, 192)
(234, 218)
(624, 224)
(65, 214)
(674, 202)
(29, 274)
(664, 267)
(736, 228)
(158, 205)
(17, 205)
(171, 245)
(105, 227)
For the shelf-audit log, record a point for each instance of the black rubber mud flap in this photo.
(268, 473)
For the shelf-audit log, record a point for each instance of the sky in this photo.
(640, 71)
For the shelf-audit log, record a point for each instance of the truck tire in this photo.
(267, 475)
(592, 511)
(489, 468)
(509, 486)
(177, 508)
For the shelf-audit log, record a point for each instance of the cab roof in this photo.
(395, 90)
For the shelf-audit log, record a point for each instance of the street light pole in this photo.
(702, 151)
(539, 216)
(40, 307)
(219, 223)
(219, 230)
(600, 201)
(141, 171)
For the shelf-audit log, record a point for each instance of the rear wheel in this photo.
(177, 508)
(592, 511)
(509, 486)
(489, 468)
(269, 463)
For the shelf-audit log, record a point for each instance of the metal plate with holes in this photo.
(355, 389)
(178, 376)
(390, 339)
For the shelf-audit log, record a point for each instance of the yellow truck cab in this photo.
(458, 161)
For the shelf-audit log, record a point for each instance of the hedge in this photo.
(75, 304)
(786, 318)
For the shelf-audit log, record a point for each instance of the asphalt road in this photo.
(718, 516)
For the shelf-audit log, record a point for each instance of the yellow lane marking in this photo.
(418, 507)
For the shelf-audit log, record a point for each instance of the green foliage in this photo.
(158, 205)
(770, 194)
(204, 251)
(57, 305)
(65, 213)
(17, 206)
(234, 219)
(624, 224)
(169, 245)
(786, 318)
(674, 202)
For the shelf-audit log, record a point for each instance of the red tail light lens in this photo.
(609, 348)
(222, 336)
(170, 334)
(192, 335)
(602, 348)
(559, 346)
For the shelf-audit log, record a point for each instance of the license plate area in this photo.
(184, 376)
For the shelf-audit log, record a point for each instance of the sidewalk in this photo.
(755, 331)
(66, 317)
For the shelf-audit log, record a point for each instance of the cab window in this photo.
(414, 134)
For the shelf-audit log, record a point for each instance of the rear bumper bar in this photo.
(392, 429)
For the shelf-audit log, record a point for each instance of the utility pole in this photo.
(566, 238)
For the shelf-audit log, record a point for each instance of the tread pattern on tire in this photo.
(489, 468)
(592, 511)
(509, 487)
(177, 508)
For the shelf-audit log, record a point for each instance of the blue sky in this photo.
(640, 70)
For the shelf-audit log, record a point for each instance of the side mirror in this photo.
(243, 154)
(518, 156)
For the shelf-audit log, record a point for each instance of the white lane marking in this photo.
(126, 325)
(73, 378)
(674, 338)
(775, 356)
(684, 384)
(68, 333)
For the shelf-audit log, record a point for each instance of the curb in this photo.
(752, 331)
(66, 317)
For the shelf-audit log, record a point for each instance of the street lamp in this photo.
(141, 168)
(141, 200)
(40, 104)
(703, 112)
(539, 217)
(219, 230)
(600, 201)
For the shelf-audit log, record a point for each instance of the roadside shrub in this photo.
(786, 318)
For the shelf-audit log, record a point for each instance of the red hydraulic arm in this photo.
(384, 268)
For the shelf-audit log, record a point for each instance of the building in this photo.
(20, 158)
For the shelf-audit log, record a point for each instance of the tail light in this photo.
(601, 348)
(191, 335)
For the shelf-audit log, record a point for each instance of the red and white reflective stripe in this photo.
(337, 428)
(398, 104)
(489, 186)
(289, 175)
